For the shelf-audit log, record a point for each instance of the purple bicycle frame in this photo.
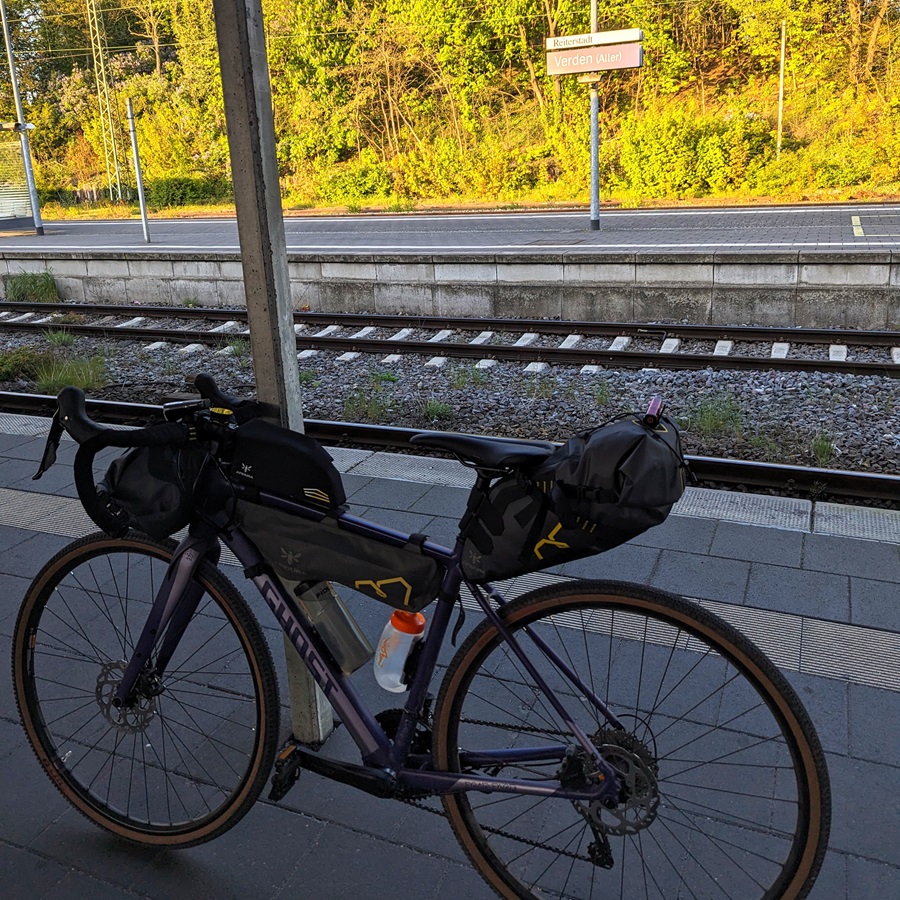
(175, 603)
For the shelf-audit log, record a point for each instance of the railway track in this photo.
(536, 343)
(831, 483)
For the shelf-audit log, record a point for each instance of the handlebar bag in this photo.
(155, 486)
(598, 490)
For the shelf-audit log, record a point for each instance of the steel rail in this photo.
(750, 333)
(711, 470)
(573, 356)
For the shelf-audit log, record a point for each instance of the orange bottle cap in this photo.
(407, 622)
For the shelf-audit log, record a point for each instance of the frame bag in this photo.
(300, 549)
(598, 490)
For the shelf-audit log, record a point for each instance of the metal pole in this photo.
(257, 194)
(23, 133)
(595, 139)
(781, 88)
(137, 171)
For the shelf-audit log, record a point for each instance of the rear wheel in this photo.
(188, 758)
(723, 785)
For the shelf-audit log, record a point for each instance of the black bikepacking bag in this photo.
(154, 486)
(300, 549)
(600, 489)
(272, 458)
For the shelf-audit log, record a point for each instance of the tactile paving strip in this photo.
(730, 506)
(795, 643)
(857, 521)
(421, 469)
(749, 509)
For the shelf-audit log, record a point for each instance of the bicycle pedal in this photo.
(288, 766)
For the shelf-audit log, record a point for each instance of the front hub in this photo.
(129, 719)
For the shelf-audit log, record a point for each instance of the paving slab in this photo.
(800, 592)
(862, 558)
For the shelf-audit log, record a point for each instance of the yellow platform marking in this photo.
(876, 228)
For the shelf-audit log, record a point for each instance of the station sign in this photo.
(596, 39)
(595, 59)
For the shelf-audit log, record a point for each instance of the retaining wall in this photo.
(813, 290)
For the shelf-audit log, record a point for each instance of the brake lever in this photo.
(52, 445)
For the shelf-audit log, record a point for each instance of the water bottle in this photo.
(336, 626)
(402, 632)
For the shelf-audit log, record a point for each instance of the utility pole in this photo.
(595, 138)
(109, 118)
(138, 177)
(257, 194)
(23, 127)
(781, 88)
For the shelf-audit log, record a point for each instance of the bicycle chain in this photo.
(530, 729)
(499, 831)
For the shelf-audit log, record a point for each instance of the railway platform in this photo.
(817, 585)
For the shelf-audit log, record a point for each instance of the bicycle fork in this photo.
(175, 603)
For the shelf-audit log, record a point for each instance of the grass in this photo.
(52, 375)
(541, 388)
(822, 449)
(436, 410)
(59, 337)
(191, 303)
(68, 318)
(380, 378)
(308, 376)
(31, 287)
(602, 393)
(767, 448)
(365, 406)
(463, 376)
(239, 347)
(398, 204)
(716, 416)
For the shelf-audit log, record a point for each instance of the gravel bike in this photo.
(587, 739)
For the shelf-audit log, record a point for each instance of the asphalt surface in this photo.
(841, 229)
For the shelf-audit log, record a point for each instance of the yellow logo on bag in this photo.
(378, 587)
(551, 540)
(316, 494)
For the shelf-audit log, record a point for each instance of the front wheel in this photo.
(723, 786)
(188, 758)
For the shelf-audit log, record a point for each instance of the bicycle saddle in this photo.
(486, 452)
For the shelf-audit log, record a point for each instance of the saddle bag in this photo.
(598, 490)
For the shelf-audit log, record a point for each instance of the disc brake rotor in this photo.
(128, 719)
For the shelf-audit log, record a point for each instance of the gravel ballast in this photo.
(827, 420)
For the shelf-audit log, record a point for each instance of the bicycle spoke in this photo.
(174, 763)
(698, 749)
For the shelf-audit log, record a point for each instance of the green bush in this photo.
(674, 152)
(186, 191)
(356, 179)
